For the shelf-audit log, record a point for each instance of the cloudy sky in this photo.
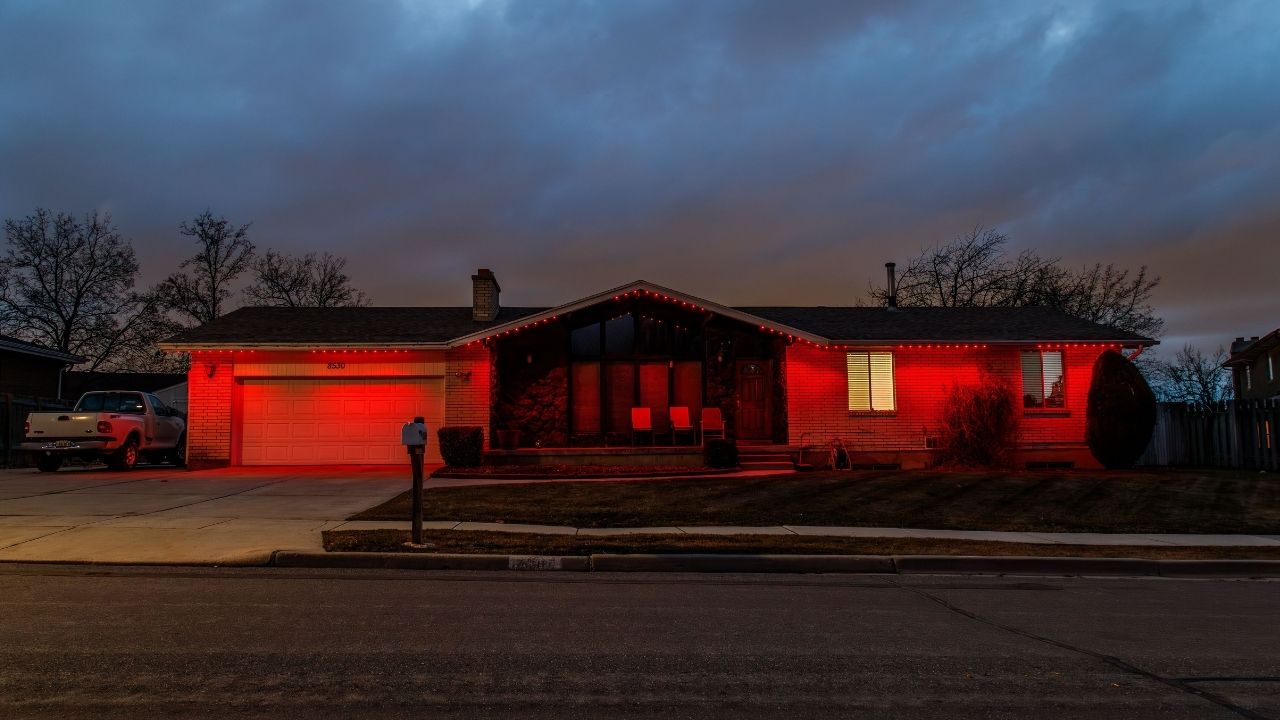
(748, 151)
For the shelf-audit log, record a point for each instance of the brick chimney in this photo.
(484, 296)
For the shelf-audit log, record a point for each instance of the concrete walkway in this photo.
(1155, 540)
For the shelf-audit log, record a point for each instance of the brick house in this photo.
(1255, 366)
(333, 385)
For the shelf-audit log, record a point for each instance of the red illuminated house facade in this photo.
(299, 386)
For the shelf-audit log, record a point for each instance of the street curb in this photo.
(743, 563)
(1220, 568)
(1022, 565)
(850, 564)
(428, 561)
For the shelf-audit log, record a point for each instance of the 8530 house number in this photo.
(337, 366)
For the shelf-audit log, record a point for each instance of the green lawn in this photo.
(1173, 501)
(486, 543)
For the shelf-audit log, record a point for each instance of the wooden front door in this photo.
(755, 389)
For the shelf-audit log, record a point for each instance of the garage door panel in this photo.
(339, 421)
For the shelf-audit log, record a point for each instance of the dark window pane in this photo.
(654, 392)
(586, 397)
(688, 386)
(1032, 380)
(1054, 385)
(620, 384)
(585, 341)
(620, 337)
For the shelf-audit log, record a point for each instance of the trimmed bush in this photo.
(1121, 412)
(980, 425)
(461, 446)
(721, 453)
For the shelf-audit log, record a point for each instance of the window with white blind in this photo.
(870, 382)
(1043, 382)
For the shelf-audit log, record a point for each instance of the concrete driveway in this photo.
(168, 515)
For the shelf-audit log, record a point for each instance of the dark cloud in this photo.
(752, 151)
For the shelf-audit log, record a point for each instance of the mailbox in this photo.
(414, 433)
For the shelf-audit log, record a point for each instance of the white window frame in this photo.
(878, 399)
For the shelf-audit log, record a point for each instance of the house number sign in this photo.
(337, 366)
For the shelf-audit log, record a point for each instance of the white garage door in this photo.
(351, 421)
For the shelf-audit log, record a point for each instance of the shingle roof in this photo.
(426, 325)
(1244, 351)
(342, 325)
(943, 324)
(13, 344)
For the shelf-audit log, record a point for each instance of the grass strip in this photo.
(1160, 501)
(497, 543)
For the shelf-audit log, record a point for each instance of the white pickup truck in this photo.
(116, 426)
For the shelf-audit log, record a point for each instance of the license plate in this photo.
(62, 444)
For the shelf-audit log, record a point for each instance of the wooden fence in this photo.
(1234, 434)
(13, 418)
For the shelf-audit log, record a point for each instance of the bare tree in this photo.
(302, 281)
(1108, 296)
(971, 270)
(69, 285)
(199, 290)
(976, 270)
(1192, 377)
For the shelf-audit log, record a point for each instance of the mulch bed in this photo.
(470, 542)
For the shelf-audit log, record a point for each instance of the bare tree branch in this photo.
(975, 270)
(68, 285)
(199, 290)
(1191, 377)
(302, 281)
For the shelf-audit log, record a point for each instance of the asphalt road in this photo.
(85, 642)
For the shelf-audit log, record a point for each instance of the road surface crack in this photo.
(1180, 684)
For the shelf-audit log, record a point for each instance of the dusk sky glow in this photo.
(745, 151)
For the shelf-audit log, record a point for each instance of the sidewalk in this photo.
(1037, 538)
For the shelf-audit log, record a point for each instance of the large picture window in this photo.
(871, 382)
(628, 361)
(1043, 382)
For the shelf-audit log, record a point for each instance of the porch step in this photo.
(750, 458)
(765, 465)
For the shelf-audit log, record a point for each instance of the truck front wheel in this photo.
(48, 463)
(126, 457)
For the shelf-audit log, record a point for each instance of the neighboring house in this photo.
(333, 386)
(1255, 366)
(31, 370)
(171, 388)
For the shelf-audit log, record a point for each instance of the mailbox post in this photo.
(414, 437)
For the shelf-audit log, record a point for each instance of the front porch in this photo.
(567, 388)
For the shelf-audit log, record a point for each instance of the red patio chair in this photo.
(681, 423)
(712, 422)
(641, 421)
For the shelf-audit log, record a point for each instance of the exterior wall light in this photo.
(211, 368)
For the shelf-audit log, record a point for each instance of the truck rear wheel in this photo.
(179, 454)
(48, 463)
(126, 457)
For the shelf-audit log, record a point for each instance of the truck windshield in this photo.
(112, 402)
